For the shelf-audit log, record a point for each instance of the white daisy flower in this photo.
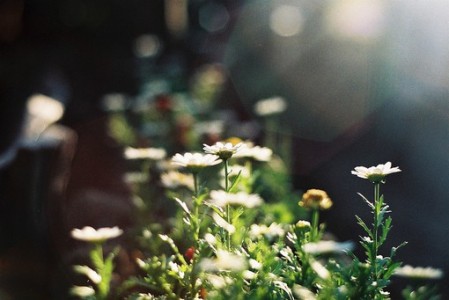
(221, 199)
(222, 150)
(375, 174)
(194, 162)
(418, 272)
(89, 234)
(145, 153)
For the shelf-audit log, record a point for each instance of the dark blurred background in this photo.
(365, 82)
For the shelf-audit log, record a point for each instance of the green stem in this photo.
(195, 184)
(315, 220)
(377, 207)
(225, 161)
(103, 287)
(193, 278)
(228, 207)
(196, 221)
(249, 167)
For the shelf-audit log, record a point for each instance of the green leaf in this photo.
(371, 205)
(235, 182)
(363, 225)
(394, 249)
(385, 230)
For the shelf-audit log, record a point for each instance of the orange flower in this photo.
(316, 199)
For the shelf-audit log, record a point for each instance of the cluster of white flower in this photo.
(270, 232)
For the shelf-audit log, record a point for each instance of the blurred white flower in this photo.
(175, 179)
(375, 174)
(254, 264)
(90, 234)
(303, 293)
(222, 150)
(91, 274)
(220, 198)
(146, 233)
(145, 153)
(194, 162)
(328, 247)
(303, 224)
(270, 232)
(219, 282)
(248, 150)
(82, 291)
(419, 272)
(210, 239)
(248, 275)
(225, 261)
(270, 106)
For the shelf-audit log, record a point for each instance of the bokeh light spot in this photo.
(286, 20)
(213, 17)
(147, 45)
